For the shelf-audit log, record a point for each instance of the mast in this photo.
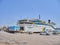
(39, 16)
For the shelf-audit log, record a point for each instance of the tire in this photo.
(40, 33)
(47, 34)
(30, 32)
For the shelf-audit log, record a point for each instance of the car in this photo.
(44, 33)
(56, 32)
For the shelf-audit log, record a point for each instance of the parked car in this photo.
(56, 32)
(45, 32)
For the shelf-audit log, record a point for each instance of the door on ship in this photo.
(22, 28)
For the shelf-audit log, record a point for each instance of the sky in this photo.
(13, 10)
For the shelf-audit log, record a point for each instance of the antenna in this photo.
(39, 16)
